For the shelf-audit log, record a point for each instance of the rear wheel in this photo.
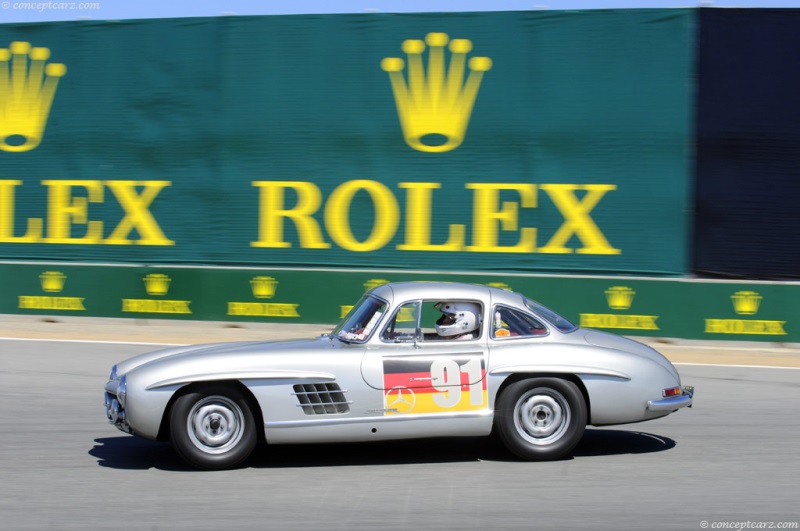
(541, 418)
(212, 427)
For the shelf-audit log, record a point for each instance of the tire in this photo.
(212, 427)
(541, 418)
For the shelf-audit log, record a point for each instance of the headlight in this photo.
(122, 390)
(113, 375)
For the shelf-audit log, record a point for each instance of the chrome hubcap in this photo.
(541, 416)
(215, 424)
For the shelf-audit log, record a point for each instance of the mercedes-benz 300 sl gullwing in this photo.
(410, 360)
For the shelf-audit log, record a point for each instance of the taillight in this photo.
(672, 391)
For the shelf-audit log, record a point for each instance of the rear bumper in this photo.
(673, 403)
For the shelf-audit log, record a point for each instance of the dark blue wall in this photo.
(747, 219)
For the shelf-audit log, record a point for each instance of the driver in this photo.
(459, 320)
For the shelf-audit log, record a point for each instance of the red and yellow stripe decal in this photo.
(434, 384)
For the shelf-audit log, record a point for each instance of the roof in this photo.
(404, 291)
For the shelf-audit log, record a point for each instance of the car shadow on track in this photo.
(132, 453)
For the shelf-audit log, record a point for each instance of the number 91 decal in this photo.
(419, 385)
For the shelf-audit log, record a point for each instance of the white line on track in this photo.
(737, 366)
(93, 341)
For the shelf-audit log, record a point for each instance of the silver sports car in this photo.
(409, 360)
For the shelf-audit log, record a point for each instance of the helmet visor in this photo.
(446, 319)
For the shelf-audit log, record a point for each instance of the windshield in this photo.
(361, 320)
(551, 317)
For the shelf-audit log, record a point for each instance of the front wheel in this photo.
(212, 427)
(541, 418)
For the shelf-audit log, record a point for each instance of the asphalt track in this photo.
(732, 458)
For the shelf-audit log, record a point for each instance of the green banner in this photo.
(509, 141)
(754, 311)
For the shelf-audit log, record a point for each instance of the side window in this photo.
(403, 326)
(434, 321)
(428, 324)
(507, 322)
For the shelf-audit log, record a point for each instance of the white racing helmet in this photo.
(457, 318)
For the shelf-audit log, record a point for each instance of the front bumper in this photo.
(673, 403)
(114, 410)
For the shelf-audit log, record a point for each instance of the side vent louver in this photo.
(321, 398)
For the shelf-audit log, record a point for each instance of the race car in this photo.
(410, 360)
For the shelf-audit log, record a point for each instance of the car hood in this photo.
(615, 342)
(215, 352)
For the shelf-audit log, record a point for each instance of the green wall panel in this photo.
(721, 310)
(562, 145)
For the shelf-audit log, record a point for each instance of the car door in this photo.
(421, 373)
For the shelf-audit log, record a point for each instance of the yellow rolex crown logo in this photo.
(501, 285)
(52, 281)
(374, 283)
(746, 302)
(157, 284)
(27, 89)
(435, 106)
(620, 297)
(263, 287)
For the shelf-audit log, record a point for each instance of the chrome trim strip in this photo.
(381, 419)
(243, 375)
(322, 404)
(566, 369)
(327, 391)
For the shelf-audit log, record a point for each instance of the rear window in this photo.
(561, 323)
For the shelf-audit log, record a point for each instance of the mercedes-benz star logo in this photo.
(400, 400)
